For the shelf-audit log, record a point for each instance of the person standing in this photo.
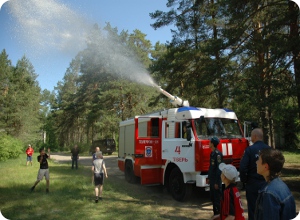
(275, 201)
(248, 171)
(29, 153)
(214, 175)
(231, 204)
(44, 169)
(75, 156)
(98, 169)
(97, 149)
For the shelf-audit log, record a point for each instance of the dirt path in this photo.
(110, 161)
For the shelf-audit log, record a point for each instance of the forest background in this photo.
(242, 55)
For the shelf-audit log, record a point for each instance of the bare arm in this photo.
(104, 169)
(41, 159)
(49, 153)
(230, 217)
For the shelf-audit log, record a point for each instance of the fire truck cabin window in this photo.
(220, 127)
(148, 127)
(174, 129)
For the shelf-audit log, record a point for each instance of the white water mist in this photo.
(51, 25)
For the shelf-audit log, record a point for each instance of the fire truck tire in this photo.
(129, 174)
(179, 190)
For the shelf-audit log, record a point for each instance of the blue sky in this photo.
(50, 63)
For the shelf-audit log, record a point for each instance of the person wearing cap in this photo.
(29, 153)
(248, 171)
(98, 168)
(214, 175)
(231, 204)
(275, 200)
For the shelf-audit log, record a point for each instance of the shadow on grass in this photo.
(290, 171)
(291, 176)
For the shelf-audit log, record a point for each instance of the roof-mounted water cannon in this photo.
(176, 101)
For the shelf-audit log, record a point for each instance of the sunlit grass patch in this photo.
(71, 195)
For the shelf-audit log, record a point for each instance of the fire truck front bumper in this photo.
(201, 180)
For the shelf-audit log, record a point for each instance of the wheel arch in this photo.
(187, 177)
(129, 171)
(168, 170)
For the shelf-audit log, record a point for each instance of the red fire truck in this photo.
(171, 147)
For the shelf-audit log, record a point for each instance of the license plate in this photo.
(108, 148)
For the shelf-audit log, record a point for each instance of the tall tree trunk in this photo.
(294, 37)
(264, 89)
(217, 55)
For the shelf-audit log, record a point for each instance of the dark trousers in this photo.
(74, 160)
(251, 196)
(215, 197)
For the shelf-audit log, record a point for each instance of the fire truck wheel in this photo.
(129, 174)
(180, 191)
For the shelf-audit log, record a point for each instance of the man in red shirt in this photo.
(29, 153)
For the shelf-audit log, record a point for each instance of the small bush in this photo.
(10, 147)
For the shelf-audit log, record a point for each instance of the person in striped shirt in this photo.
(231, 204)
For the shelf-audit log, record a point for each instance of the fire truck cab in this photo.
(171, 147)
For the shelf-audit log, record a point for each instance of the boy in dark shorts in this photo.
(98, 168)
(44, 170)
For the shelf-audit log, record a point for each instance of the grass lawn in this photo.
(71, 195)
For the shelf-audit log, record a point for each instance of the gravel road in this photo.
(110, 162)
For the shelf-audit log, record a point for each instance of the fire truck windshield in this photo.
(219, 127)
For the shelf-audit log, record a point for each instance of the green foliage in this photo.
(291, 129)
(20, 101)
(223, 54)
(237, 55)
(97, 92)
(10, 147)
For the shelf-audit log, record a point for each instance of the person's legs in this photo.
(36, 182)
(76, 163)
(72, 163)
(100, 193)
(216, 201)
(251, 196)
(97, 193)
(47, 177)
(47, 185)
(34, 185)
(215, 197)
(38, 179)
